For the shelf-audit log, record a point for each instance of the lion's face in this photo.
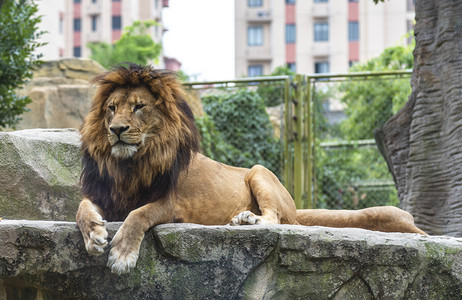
(130, 118)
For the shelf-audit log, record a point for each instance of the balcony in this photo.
(94, 8)
(94, 37)
(320, 49)
(320, 10)
(258, 53)
(258, 16)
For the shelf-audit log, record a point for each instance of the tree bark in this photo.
(422, 144)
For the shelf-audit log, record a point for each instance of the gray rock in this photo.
(186, 261)
(40, 174)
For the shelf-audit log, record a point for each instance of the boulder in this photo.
(69, 68)
(60, 93)
(40, 174)
(47, 260)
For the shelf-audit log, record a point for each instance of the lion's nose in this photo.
(118, 129)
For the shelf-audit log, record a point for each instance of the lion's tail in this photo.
(383, 218)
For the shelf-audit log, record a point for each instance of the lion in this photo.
(141, 165)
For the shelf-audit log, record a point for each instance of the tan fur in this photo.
(382, 218)
(207, 192)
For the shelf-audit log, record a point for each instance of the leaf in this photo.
(18, 39)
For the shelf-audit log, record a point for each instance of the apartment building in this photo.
(316, 36)
(72, 24)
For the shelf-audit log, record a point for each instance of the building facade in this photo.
(72, 24)
(316, 36)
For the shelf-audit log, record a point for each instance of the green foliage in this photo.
(272, 94)
(213, 144)
(343, 174)
(370, 103)
(18, 40)
(134, 46)
(182, 76)
(246, 133)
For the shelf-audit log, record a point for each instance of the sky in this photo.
(200, 34)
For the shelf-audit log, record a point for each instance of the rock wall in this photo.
(186, 261)
(40, 172)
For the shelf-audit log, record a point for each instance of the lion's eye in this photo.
(138, 106)
(111, 107)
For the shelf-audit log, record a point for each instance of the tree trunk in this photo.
(422, 144)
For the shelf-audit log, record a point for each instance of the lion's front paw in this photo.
(246, 218)
(124, 252)
(122, 261)
(95, 237)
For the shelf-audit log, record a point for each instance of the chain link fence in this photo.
(254, 121)
(350, 173)
(240, 121)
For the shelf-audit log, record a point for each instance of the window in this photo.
(77, 23)
(93, 1)
(77, 52)
(353, 31)
(290, 33)
(115, 0)
(321, 67)
(352, 0)
(255, 3)
(255, 70)
(319, 1)
(61, 23)
(255, 36)
(290, 1)
(76, 1)
(321, 31)
(116, 22)
(94, 21)
(291, 66)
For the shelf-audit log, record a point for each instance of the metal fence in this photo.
(314, 132)
(240, 121)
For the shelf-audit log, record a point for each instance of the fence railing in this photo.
(317, 160)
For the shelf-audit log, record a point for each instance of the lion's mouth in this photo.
(122, 143)
(124, 150)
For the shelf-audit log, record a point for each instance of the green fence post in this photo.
(308, 144)
(314, 181)
(288, 159)
(298, 141)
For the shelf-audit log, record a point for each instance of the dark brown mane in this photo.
(119, 186)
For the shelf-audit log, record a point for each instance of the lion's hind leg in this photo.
(274, 202)
(92, 226)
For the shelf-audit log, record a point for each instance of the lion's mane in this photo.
(120, 185)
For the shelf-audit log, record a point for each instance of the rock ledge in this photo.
(186, 261)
